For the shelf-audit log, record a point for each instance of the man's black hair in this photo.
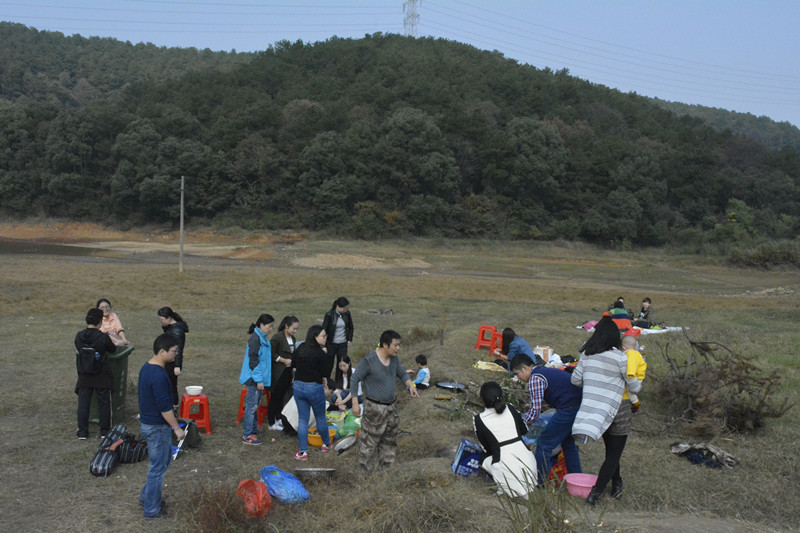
(521, 360)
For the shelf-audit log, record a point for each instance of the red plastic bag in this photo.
(257, 501)
(559, 469)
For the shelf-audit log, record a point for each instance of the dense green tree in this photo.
(381, 136)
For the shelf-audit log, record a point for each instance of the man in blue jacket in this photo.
(158, 422)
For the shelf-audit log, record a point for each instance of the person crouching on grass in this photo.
(380, 423)
(158, 421)
(553, 386)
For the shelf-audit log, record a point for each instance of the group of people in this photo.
(626, 320)
(104, 334)
(596, 400)
(302, 370)
(281, 364)
(157, 388)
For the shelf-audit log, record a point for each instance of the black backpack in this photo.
(88, 361)
(132, 450)
(107, 455)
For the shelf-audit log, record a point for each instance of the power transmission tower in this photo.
(411, 18)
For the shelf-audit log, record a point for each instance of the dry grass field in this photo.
(541, 290)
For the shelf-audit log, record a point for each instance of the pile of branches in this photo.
(718, 390)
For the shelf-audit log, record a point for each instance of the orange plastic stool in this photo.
(497, 341)
(262, 409)
(203, 416)
(484, 340)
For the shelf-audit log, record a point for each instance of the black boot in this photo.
(593, 496)
(616, 488)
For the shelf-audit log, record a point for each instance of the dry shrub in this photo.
(420, 334)
(547, 510)
(719, 390)
(219, 509)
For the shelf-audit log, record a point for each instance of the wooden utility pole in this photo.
(180, 255)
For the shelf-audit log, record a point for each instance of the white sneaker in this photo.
(277, 426)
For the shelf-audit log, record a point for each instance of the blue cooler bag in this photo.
(468, 458)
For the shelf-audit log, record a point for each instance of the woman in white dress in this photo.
(499, 429)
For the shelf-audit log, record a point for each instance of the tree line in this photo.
(385, 136)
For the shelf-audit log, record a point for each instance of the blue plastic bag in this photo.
(532, 436)
(283, 485)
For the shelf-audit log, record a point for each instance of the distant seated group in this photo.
(626, 320)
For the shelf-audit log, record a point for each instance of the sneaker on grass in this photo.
(277, 426)
(252, 440)
(301, 456)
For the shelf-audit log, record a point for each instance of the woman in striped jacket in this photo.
(602, 372)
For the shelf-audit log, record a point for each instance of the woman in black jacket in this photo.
(283, 346)
(173, 324)
(338, 325)
(311, 366)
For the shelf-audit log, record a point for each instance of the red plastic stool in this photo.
(262, 409)
(484, 340)
(497, 341)
(203, 416)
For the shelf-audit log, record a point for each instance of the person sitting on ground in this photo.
(111, 325)
(423, 380)
(553, 386)
(513, 345)
(645, 317)
(637, 366)
(612, 304)
(340, 397)
(506, 458)
(620, 316)
(98, 383)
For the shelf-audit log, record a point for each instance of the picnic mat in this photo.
(487, 365)
(642, 331)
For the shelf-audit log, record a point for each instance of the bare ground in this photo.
(295, 251)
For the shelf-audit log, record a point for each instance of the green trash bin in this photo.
(119, 388)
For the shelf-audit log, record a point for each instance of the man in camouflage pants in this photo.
(376, 373)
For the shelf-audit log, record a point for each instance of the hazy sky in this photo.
(742, 55)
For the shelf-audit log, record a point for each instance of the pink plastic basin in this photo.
(580, 484)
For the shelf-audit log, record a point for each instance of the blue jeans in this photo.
(309, 396)
(251, 403)
(159, 451)
(558, 431)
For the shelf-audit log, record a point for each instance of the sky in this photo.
(741, 55)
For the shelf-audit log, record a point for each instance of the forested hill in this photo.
(389, 136)
(775, 135)
(74, 71)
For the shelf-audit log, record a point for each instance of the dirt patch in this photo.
(357, 262)
(680, 524)
(80, 232)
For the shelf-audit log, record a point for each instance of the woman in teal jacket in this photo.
(256, 374)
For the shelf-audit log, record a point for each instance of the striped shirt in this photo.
(603, 377)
